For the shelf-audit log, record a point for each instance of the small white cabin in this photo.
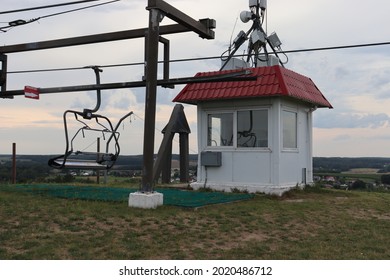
(255, 136)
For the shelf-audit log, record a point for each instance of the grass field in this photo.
(310, 224)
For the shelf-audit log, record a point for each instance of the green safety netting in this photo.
(174, 197)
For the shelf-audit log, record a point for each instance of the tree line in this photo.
(34, 167)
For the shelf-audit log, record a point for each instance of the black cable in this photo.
(199, 58)
(338, 47)
(75, 68)
(47, 6)
(78, 9)
(23, 22)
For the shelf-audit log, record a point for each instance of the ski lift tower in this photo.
(158, 10)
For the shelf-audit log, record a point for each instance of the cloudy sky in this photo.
(356, 81)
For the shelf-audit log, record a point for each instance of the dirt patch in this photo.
(341, 198)
(295, 200)
(369, 214)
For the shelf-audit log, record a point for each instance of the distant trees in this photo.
(358, 185)
(338, 164)
(385, 179)
(385, 169)
(25, 172)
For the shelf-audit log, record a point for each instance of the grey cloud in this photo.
(351, 120)
(341, 72)
(124, 103)
(343, 137)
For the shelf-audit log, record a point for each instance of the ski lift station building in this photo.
(255, 136)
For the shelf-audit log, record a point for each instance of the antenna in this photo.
(257, 37)
(234, 28)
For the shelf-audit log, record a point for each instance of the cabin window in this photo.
(220, 129)
(238, 129)
(252, 128)
(289, 120)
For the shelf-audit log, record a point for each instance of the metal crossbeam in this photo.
(91, 39)
(202, 27)
(135, 84)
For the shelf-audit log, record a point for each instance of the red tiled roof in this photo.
(271, 81)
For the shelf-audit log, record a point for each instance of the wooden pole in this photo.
(98, 152)
(13, 163)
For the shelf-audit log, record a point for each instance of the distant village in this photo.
(345, 182)
(352, 173)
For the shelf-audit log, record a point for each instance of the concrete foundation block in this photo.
(146, 200)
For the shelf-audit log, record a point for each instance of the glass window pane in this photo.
(220, 129)
(252, 128)
(289, 129)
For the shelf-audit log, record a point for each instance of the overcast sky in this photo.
(356, 81)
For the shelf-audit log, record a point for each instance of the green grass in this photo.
(310, 224)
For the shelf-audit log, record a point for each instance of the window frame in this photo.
(208, 113)
(210, 133)
(268, 126)
(282, 142)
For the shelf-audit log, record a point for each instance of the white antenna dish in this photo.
(245, 16)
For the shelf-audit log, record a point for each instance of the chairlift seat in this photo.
(88, 160)
(79, 164)
(103, 161)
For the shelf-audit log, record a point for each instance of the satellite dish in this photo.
(245, 16)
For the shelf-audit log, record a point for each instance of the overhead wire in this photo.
(20, 22)
(199, 58)
(339, 47)
(47, 6)
(78, 9)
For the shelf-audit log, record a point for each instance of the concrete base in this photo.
(146, 200)
(250, 188)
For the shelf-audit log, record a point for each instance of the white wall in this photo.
(258, 169)
(293, 161)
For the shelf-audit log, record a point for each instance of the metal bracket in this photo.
(88, 113)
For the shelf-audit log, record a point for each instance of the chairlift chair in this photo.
(76, 159)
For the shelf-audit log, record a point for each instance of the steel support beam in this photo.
(157, 10)
(91, 39)
(202, 27)
(3, 72)
(166, 44)
(152, 39)
(135, 84)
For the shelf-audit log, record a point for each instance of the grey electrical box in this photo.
(269, 60)
(211, 159)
